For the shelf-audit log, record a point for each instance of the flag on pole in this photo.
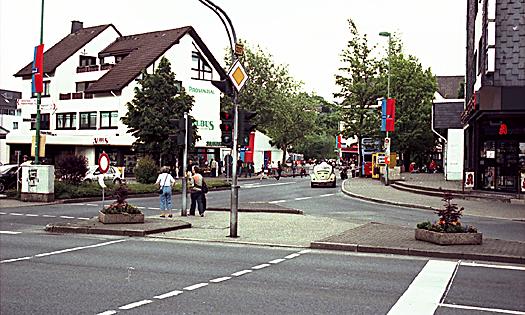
(37, 83)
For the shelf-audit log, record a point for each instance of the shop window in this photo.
(201, 70)
(108, 120)
(88, 120)
(44, 121)
(66, 121)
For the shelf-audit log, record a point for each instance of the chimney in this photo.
(76, 26)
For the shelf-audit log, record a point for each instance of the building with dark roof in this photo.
(494, 113)
(8, 111)
(91, 74)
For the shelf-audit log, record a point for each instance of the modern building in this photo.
(447, 108)
(8, 120)
(91, 74)
(494, 114)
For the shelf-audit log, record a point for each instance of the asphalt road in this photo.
(78, 274)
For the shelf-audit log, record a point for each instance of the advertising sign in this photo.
(469, 179)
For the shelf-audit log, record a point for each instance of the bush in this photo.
(72, 169)
(146, 170)
(121, 205)
(448, 219)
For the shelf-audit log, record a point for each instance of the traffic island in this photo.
(93, 226)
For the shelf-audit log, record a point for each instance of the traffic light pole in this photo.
(39, 94)
(235, 187)
(184, 168)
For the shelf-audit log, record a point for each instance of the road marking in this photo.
(494, 310)
(240, 273)
(14, 259)
(108, 313)
(424, 293)
(276, 261)
(305, 251)
(261, 266)
(277, 201)
(195, 286)
(14, 213)
(154, 208)
(473, 264)
(141, 207)
(84, 218)
(135, 304)
(78, 248)
(3, 213)
(167, 295)
(220, 279)
(266, 185)
(292, 256)
(92, 205)
(49, 216)
(9, 232)
(326, 195)
(66, 217)
(31, 215)
(303, 198)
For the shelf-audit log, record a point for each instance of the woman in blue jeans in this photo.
(165, 181)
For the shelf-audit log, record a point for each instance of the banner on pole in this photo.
(37, 84)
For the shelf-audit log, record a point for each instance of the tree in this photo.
(156, 101)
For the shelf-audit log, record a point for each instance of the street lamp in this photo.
(387, 34)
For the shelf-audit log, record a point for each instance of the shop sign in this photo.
(213, 143)
(204, 124)
(100, 141)
(469, 179)
(200, 90)
(469, 109)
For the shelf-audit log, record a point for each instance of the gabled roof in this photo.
(142, 50)
(448, 86)
(65, 48)
(8, 98)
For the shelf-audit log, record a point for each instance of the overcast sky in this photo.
(307, 35)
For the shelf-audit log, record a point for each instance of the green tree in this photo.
(360, 86)
(156, 101)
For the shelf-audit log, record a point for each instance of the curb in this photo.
(284, 211)
(117, 232)
(415, 252)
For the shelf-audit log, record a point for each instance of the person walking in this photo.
(196, 192)
(165, 182)
(213, 167)
(279, 170)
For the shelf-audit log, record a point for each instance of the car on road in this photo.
(323, 174)
(113, 174)
(8, 176)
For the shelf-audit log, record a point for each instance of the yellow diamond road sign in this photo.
(238, 75)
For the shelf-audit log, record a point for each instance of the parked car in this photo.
(113, 174)
(323, 175)
(8, 176)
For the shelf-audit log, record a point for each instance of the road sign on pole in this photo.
(238, 75)
(103, 162)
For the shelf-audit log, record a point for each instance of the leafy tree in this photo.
(360, 85)
(156, 101)
(72, 168)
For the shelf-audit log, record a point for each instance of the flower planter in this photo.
(449, 238)
(114, 218)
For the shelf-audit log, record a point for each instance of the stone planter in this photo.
(449, 238)
(115, 218)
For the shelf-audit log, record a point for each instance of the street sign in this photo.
(238, 75)
(103, 163)
(239, 49)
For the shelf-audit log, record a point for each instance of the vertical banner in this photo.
(390, 114)
(37, 84)
(383, 114)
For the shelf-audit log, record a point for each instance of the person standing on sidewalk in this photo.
(279, 170)
(165, 182)
(196, 193)
(213, 167)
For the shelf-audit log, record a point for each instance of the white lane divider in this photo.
(292, 256)
(9, 232)
(217, 280)
(195, 286)
(424, 293)
(303, 198)
(277, 201)
(31, 215)
(66, 217)
(276, 261)
(135, 304)
(14, 213)
(167, 295)
(483, 309)
(260, 266)
(44, 215)
(92, 205)
(3, 213)
(474, 264)
(49, 216)
(63, 251)
(326, 195)
(240, 273)
(108, 313)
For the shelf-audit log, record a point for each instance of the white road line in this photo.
(78, 248)
(424, 293)
(326, 195)
(153, 208)
(108, 313)
(277, 201)
(305, 251)
(141, 207)
(261, 266)
(303, 198)
(135, 304)
(92, 205)
(276, 261)
(292, 256)
(220, 279)
(31, 215)
(84, 218)
(473, 264)
(266, 185)
(493, 310)
(49, 216)
(9, 232)
(66, 217)
(167, 295)
(195, 286)
(15, 259)
(3, 213)
(240, 273)
(14, 213)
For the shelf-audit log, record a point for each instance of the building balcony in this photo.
(91, 68)
(75, 96)
(106, 66)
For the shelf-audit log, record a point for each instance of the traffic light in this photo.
(245, 126)
(225, 86)
(227, 128)
(180, 126)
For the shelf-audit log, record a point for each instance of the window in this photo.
(82, 86)
(44, 121)
(480, 55)
(15, 125)
(200, 68)
(45, 90)
(18, 112)
(66, 121)
(119, 58)
(108, 120)
(87, 61)
(88, 120)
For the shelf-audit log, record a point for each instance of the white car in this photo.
(323, 175)
(113, 174)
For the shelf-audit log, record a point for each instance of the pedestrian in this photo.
(165, 182)
(196, 192)
(213, 167)
(239, 167)
(294, 168)
(251, 169)
(279, 170)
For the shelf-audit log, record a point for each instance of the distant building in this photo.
(8, 122)
(494, 113)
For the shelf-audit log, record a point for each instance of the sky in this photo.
(306, 35)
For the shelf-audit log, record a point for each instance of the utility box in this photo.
(38, 183)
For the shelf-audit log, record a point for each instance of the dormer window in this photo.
(119, 58)
(201, 70)
(87, 61)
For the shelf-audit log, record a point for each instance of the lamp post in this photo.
(387, 34)
(39, 94)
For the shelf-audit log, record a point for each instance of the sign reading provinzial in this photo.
(103, 163)
(238, 75)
